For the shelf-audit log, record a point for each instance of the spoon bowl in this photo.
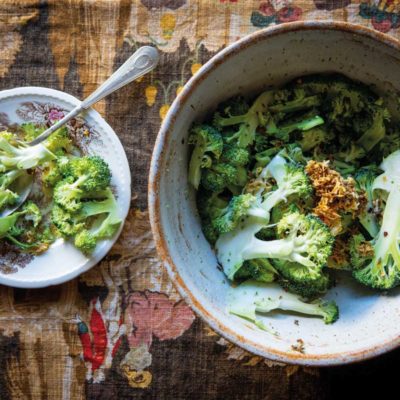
(23, 186)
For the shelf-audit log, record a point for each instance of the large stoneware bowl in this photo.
(369, 323)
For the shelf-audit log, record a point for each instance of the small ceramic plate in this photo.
(94, 136)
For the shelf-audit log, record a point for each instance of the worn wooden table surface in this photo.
(121, 329)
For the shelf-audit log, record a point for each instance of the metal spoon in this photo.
(141, 62)
(23, 186)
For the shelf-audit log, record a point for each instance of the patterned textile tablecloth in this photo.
(121, 330)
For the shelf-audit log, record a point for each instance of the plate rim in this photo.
(100, 122)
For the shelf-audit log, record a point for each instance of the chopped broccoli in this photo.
(104, 229)
(21, 156)
(234, 106)
(376, 132)
(219, 176)
(59, 141)
(361, 251)
(351, 154)
(207, 141)
(301, 102)
(19, 223)
(68, 223)
(303, 239)
(314, 137)
(253, 297)
(290, 178)
(309, 290)
(85, 241)
(260, 270)
(83, 176)
(247, 122)
(383, 271)
(31, 131)
(7, 196)
(365, 178)
(230, 216)
(282, 132)
(236, 156)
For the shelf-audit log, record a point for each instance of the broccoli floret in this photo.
(361, 251)
(234, 106)
(282, 132)
(51, 173)
(383, 272)
(85, 241)
(222, 175)
(93, 172)
(290, 179)
(298, 104)
(237, 209)
(314, 137)
(30, 131)
(247, 122)
(308, 289)
(23, 223)
(83, 176)
(210, 204)
(32, 213)
(389, 143)
(260, 270)
(365, 178)
(208, 230)
(253, 297)
(303, 239)
(207, 141)
(69, 224)
(59, 141)
(351, 154)
(104, 229)
(376, 132)
(21, 156)
(236, 156)
(7, 196)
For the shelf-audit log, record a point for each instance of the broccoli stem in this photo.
(233, 120)
(297, 105)
(289, 303)
(195, 165)
(387, 244)
(285, 249)
(275, 197)
(304, 125)
(280, 248)
(374, 134)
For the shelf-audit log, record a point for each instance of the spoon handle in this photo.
(141, 62)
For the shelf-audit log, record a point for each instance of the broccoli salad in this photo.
(71, 196)
(297, 186)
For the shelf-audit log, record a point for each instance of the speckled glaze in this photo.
(370, 323)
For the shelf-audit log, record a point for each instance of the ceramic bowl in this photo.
(369, 323)
(62, 261)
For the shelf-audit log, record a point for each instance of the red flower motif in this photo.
(382, 25)
(289, 14)
(266, 8)
(55, 115)
(150, 313)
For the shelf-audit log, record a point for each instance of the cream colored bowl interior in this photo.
(369, 323)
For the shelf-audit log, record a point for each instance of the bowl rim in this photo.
(158, 155)
(103, 127)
